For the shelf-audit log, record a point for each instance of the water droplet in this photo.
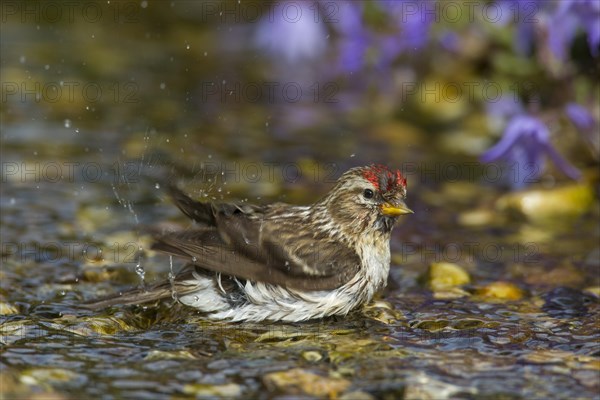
(157, 185)
(67, 123)
(187, 47)
(139, 270)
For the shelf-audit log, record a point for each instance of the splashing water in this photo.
(172, 279)
(139, 269)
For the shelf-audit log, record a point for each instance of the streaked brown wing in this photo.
(282, 241)
(248, 245)
(194, 246)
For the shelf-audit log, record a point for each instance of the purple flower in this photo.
(414, 21)
(292, 32)
(410, 22)
(506, 106)
(499, 111)
(524, 143)
(355, 37)
(569, 16)
(526, 14)
(580, 117)
(560, 19)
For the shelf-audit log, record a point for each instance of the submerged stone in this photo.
(299, 381)
(500, 291)
(549, 206)
(229, 390)
(564, 302)
(443, 275)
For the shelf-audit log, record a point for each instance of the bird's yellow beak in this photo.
(394, 210)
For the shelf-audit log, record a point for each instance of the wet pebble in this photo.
(546, 206)
(7, 308)
(500, 291)
(357, 395)
(424, 387)
(52, 376)
(312, 356)
(300, 381)
(382, 311)
(474, 218)
(229, 390)
(564, 302)
(445, 275)
(594, 291)
(154, 355)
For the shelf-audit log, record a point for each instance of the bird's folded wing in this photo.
(205, 249)
(242, 241)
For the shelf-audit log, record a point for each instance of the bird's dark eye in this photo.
(368, 193)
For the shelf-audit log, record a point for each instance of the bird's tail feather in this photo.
(155, 292)
(135, 296)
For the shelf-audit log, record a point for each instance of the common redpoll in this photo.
(282, 262)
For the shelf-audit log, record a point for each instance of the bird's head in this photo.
(367, 199)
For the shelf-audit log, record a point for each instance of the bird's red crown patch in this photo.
(383, 178)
